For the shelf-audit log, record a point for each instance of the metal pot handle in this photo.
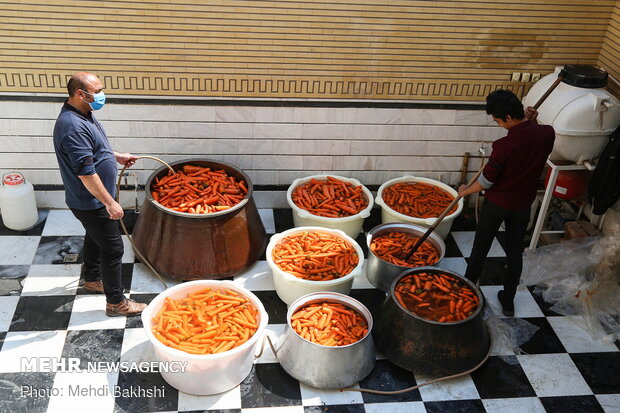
(262, 347)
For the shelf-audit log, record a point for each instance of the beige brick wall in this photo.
(274, 145)
(609, 58)
(358, 49)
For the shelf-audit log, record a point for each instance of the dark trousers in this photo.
(491, 217)
(102, 252)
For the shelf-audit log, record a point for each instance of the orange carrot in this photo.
(443, 298)
(198, 190)
(315, 255)
(331, 197)
(394, 246)
(332, 324)
(417, 199)
(205, 322)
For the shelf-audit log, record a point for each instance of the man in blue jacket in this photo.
(88, 167)
(510, 181)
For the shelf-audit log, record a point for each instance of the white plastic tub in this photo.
(351, 225)
(210, 373)
(289, 288)
(390, 215)
(18, 205)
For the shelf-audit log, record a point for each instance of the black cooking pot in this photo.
(429, 347)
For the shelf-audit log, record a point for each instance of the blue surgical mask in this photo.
(98, 102)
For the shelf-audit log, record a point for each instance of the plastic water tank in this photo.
(582, 112)
(17, 202)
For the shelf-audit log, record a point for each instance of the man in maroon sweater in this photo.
(509, 180)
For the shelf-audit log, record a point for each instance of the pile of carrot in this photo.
(417, 199)
(393, 247)
(198, 190)
(206, 322)
(315, 256)
(436, 296)
(329, 324)
(331, 198)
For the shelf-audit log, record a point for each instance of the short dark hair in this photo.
(503, 102)
(78, 81)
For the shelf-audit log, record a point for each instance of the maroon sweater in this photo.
(516, 163)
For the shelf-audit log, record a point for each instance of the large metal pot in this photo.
(200, 246)
(322, 366)
(381, 273)
(432, 348)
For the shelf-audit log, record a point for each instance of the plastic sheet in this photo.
(508, 335)
(580, 277)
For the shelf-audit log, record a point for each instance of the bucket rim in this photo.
(364, 213)
(158, 302)
(290, 277)
(410, 178)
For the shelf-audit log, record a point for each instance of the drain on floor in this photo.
(69, 258)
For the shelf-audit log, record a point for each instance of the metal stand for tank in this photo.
(544, 206)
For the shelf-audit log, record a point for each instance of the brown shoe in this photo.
(93, 286)
(127, 307)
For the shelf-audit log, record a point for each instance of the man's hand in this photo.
(531, 114)
(125, 158)
(462, 190)
(115, 210)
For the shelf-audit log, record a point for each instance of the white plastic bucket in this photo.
(289, 288)
(351, 225)
(210, 373)
(390, 215)
(17, 202)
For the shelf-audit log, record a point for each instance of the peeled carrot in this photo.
(394, 246)
(198, 190)
(206, 322)
(443, 302)
(330, 198)
(329, 324)
(314, 255)
(417, 199)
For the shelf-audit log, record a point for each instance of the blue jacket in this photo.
(82, 148)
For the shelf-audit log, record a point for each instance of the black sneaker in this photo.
(507, 308)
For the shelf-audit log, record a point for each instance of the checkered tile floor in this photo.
(45, 313)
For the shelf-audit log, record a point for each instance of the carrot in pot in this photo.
(436, 301)
(196, 185)
(329, 324)
(394, 246)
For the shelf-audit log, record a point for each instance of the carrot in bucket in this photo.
(330, 198)
(206, 322)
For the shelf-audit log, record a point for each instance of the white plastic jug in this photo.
(17, 203)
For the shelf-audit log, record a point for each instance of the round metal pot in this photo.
(381, 273)
(322, 366)
(187, 246)
(429, 347)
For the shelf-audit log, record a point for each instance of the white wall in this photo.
(273, 145)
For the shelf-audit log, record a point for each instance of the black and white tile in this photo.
(44, 312)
